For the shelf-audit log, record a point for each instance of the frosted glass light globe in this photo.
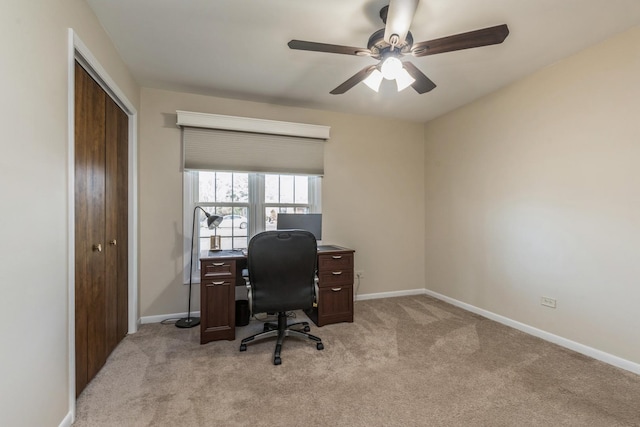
(404, 80)
(391, 67)
(374, 80)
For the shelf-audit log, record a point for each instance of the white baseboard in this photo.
(547, 336)
(390, 294)
(67, 421)
(161, 317)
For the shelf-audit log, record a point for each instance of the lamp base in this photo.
(188, 322)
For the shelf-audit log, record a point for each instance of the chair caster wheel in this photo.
(307, 329)
(243, 347)
(320, 346)
(277, 361)
(265, 328)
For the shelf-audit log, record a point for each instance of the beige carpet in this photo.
(408, 361)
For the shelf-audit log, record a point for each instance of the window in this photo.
(248, 202)
(287, 193)
(225, 194)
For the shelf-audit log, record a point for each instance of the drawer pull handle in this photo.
(218, 283)
(218, 264)
(336, 273)
(97, 247)
(337, 257)
(113, 242)
(336, 289)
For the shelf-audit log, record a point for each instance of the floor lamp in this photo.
(212, 222)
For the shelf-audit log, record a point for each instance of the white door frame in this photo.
(77, 50)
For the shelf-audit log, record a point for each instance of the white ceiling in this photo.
(238, 48)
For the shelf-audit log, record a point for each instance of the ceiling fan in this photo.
(390, 44)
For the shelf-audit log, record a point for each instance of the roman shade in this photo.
(214, 142)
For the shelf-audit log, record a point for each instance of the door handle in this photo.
(97, 248)
(113, 242)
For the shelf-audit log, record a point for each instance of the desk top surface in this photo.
(241, 253)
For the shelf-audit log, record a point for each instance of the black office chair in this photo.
(282, 270)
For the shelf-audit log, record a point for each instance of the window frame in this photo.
(256, 207)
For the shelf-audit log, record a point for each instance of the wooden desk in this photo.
(221, 272)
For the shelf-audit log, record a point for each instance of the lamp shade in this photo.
(374, 80)
(213, 220)
(404, 80)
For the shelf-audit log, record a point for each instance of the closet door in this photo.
(90, 262)
(101, 184)
(116, 182)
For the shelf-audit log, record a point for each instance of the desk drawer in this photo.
(335, 304)
(217, 268)
(217, 281)
(217, 304)
(336, 261)
(335, 277)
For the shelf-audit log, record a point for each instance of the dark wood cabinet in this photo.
(218, 279)
(335, 287)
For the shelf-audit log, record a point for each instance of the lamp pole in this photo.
(212, 222)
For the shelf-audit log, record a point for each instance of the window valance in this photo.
(215, 142)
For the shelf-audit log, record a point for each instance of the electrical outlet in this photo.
(549, 302)
(360, 274)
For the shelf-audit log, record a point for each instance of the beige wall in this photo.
(373, 173)
(33, 184)
(534, 191)
(531, 191)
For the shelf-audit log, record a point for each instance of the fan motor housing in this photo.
(377, 45)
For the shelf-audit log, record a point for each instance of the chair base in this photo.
(282, 330)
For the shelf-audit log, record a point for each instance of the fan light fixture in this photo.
(374, 80)
(391, 69)
(390, 44)
(404, 80)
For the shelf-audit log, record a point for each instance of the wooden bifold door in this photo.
(101, 234)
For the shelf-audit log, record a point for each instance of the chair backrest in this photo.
(282, 268)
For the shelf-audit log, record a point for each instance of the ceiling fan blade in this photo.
(477, 38)
(329, 48)
(399, 17)
(423, 83)
(353, 80)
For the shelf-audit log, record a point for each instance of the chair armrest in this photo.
(316, 290)
(247, 282)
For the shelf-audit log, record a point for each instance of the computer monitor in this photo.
(310, 222)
